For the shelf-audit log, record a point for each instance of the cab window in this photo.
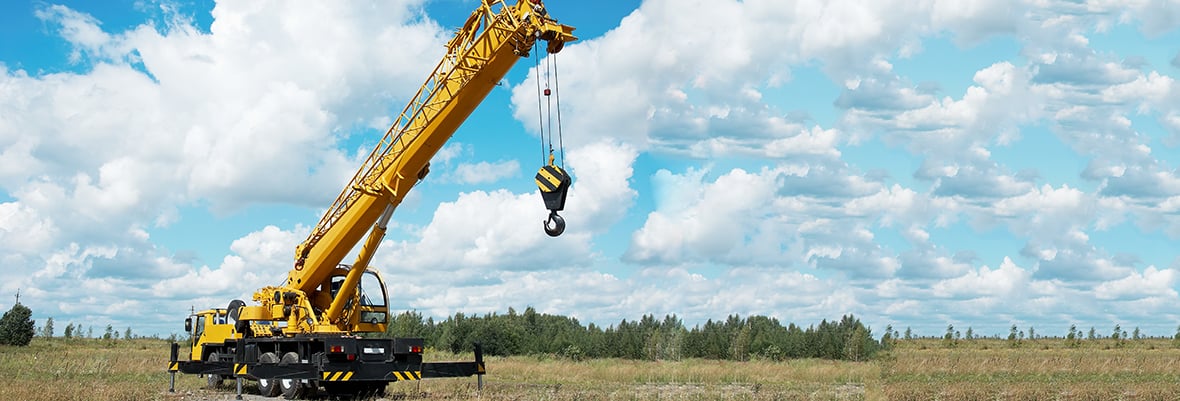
(370, 289)
(200, 327)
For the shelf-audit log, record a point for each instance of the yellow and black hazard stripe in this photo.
(337, 376)
(407, 375)
(550, 177)
(173, 366)
(239, 369)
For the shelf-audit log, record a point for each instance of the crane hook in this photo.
(558, 224)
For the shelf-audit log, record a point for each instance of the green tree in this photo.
(127, 333)
(1071, 339)
(47, 331)
(109, 333)
(1032, 333)
(408, 324)
(1136, 335)
(69, 332)
(909, 334)
(854, 349)
(16, 326)
(948, 339)
(970, 333)
(1093, 334)
(740, 345)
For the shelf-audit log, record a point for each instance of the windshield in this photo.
(371, 291)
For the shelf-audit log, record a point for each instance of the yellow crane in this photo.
(300, 336)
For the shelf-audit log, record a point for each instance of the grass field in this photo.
(1036, 370)
(915, 370)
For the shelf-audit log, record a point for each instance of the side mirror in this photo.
(188, 325)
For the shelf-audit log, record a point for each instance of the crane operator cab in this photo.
(373, 314)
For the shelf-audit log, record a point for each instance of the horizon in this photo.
(1082, 332)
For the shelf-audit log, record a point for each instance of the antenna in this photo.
(18, 296)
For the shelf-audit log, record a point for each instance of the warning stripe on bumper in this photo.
(407, 375)
(337, 376)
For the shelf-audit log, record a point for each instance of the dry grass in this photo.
(532, 378)
(1036, 370)
(85, 370)
(918, 370)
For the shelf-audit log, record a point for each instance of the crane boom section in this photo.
(477, 58)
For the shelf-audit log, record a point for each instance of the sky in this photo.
(914, 163)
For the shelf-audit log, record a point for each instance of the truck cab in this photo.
(208, 327)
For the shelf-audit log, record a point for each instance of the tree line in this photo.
(18, 328)
(734, 338)
(75, 331)
(1016, 336)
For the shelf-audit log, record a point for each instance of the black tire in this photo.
(235, 308)
(292, 389)
(269, 387)
(213, 381)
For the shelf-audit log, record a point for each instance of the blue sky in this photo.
(917, 165)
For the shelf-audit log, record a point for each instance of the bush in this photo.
(573, 353)
(16, 326)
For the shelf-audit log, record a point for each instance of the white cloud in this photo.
(699, 220)
(1152, 282)
(259, 259)
(1047, 209)
(1008, 281)
(501, 230)
(80, 29)
(677, 94)
(484, 172)
(163, 116)
(21, 228)
(1145, 89)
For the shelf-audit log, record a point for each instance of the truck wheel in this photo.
(269, 387)
(214, 380)
(292, 388)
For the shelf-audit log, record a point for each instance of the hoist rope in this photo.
(545, 114)
(557, 97)
(540, 112)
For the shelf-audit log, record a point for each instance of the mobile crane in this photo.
(303, 334)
